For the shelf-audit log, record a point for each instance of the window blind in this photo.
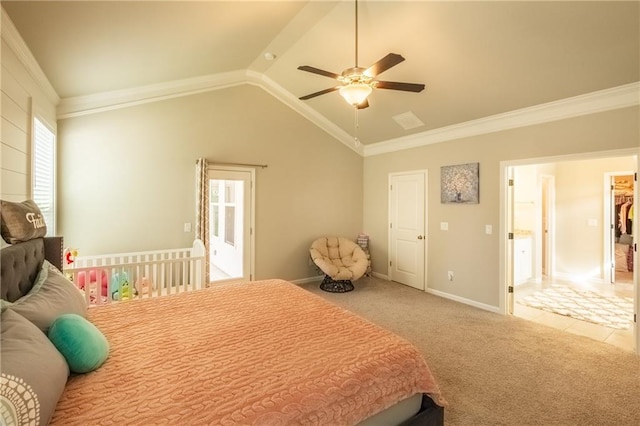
(43, 183)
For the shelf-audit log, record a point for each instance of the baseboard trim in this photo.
(381, 276)
(483, 306)
(307, 280)
(319, 278)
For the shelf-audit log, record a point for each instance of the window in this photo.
(214, 201)
(230, 213)
(44, 172)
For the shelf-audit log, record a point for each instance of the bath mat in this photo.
(609, 311)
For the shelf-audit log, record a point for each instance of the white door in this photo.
(407, 239)
(231, 218)
(548, 232)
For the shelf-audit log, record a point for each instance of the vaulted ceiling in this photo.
(476, 58)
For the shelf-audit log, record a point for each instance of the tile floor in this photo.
(620, 338)
(218, 274)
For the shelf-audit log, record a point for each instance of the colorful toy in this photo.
(95, 276)
(70, 255)
(120, 281)
(143, 287)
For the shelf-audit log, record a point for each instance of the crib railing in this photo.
(124, 276)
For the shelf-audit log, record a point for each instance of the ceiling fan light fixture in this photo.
(355, 93)
(357, 83)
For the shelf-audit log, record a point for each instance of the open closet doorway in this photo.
(559, 258)
(231, 213)
(619, 202)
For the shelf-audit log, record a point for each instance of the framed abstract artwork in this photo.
(460, 184)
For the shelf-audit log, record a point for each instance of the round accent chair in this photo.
(342, 261)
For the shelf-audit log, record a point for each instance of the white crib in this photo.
(122, 276)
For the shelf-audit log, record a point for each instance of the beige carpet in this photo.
(609, 311)
(499, 370)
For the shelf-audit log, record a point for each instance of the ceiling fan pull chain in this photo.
(356, 124)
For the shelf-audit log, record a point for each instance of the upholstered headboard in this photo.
(21, 263)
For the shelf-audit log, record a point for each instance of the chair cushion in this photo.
(339, 258)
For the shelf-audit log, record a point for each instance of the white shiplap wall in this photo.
(25, 93)
(16, 137)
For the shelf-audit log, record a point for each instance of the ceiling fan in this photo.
(357, 83)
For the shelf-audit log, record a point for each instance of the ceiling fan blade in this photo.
(318, 71)
(363, 105)
(321, 92)
(392, 59)
(393, 85)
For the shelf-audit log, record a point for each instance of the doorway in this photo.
(565, 236)
(619, 204)
(231, 213)
(407, 224)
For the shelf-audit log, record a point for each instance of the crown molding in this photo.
(303, 109)
(603, 100)
(15, 42)
(108, 101)
(590, 103)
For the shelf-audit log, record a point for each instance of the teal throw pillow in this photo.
(80, 342)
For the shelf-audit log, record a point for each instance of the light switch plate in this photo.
(488, 229)
(444, 226)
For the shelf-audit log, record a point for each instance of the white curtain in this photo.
(202, 210)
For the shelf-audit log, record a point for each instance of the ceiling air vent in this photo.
(408, 120)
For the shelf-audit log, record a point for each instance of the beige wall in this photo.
(579, 193)
(579, 198)
(465, 248)
(126, 177)
(21, 99)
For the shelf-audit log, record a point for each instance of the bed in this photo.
(265, 352)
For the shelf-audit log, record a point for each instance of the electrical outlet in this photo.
(450, 275)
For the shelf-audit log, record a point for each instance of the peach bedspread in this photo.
(261, 353)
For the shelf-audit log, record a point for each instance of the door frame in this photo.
(424, 266)
(608, 220)
(506, 270)
(546, 251)
(251, 212)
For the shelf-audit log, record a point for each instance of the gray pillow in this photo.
(33, 374)
(21, 221)
(52, 295)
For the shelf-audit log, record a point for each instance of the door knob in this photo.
(419, 237)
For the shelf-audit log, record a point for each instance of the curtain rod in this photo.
(262, 166)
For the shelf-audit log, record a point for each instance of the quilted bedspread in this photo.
(260, 353)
